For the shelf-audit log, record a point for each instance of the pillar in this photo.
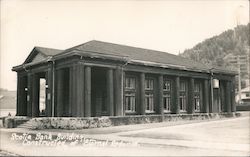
(76, 90)
(35, 94)
(49, 82)
(21, 103)
(206, 96)
(176, 104)
(59, 92)
(160, 95)
(80, 90)
(87, 92)
(233, 95)
(110, 92)
(118, 83)
(142, 94)
(29, 95)
(191, 104)
(228, 96)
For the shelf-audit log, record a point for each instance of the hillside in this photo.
(213, 50)
(7, 99)
(221, 49)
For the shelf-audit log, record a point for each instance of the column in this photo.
(233, 96)
(206, 97)
(110, 92)
(49, 82)
(71, 91)
(21, 103)
(191, 104)
(35, 94)
(77, 90)
(87, 91)
(59, 92)
(80, 90)
(228, 96)
(160, 95)
(176, 103)
(119, 75)
(29, 95)
(142, 93)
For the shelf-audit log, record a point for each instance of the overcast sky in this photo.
(170, 26)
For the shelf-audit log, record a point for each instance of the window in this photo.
(149, 94)
(166, 102)
(247, 94)
(167, 95)
(167, 85)
(183, 96)
(149, 84)
(130, 83)
(130, 94)
(197, 96)
(149, 100)
(130, 102)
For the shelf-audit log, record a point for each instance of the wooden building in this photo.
(104, 79)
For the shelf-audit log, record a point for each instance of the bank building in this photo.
(104, 79)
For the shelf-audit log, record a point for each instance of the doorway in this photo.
(42, 96)
(99, 92)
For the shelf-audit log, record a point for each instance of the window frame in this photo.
(198, 96)
(183, 96)
(130, 92)
(150, 95)
(167, 95)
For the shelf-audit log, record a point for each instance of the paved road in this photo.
(230, 137)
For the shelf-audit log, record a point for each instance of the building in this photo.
(105, 79)
(245, 96)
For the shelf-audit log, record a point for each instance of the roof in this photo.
(135, 54)
(48, 51)
(131, 54)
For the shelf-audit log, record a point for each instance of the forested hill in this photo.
(213, 50)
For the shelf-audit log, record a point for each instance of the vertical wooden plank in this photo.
(160, 95)
(110, 92)
(118, 91)
(191, 104)
(142, 93)
(176, 103)
(206, 97)
(87, 91)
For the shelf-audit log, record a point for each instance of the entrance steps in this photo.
(26, 125)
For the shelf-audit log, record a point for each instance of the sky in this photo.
(164, 25)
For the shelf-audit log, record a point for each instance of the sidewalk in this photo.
(171, 134)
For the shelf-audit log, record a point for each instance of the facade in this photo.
(104, 79)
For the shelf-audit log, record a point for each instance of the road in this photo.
(227, 137)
